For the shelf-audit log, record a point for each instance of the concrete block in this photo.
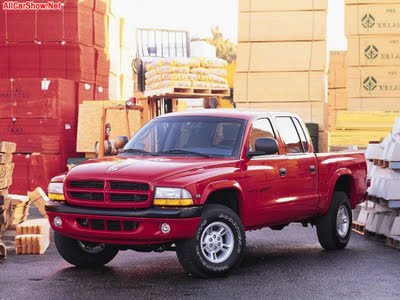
(373, 151)
(395, 229)
(369, 225)
(362, 216)
(387, 223)
(376, 222)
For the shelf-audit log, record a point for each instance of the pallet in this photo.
(375, 236)
(393, 242)
(182, 92)
(358, 227)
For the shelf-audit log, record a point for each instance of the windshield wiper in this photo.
(132, 150)
(180, 151)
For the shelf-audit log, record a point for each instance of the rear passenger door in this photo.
(301, 179)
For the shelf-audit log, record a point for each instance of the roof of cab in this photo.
(230, 113)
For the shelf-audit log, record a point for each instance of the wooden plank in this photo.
(5, 158)
(337, 70)
(355, 137)
(89, 123)
(6, 169)
(337, 99)
(372, 19)
(280, 87)
(366, 120)
(7, 147)
(373, 51)
(279, 5)
(282, 26)
(374, 104)
(281, 56)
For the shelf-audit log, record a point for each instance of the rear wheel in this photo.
(334, 228)
(218, 245)
(84, 254)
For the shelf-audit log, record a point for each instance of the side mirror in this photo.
(265, 146)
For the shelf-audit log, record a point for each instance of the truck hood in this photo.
(142, 167)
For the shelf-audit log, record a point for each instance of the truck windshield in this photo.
(188, 136)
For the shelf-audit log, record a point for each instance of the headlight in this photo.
(56, 190)
(165, 196)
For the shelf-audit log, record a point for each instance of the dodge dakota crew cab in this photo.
(194, 182)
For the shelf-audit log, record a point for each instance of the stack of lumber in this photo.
(337, 94)
(373, 56)
(358, 128)
(282, 59)
(190, 75)
(38, 198)
(380, 215)
(89, 124)
(20, 206)
(6, 174)
(32, 237)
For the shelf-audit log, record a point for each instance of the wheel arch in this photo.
(343, 181)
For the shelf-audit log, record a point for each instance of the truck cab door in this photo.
(301, 196)
(263, 183)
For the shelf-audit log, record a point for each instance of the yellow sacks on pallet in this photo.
(169, 83)
(174, 62)
(210, 71)
(168, 70)
(173, 77)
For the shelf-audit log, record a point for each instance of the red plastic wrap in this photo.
(78, 26)
(21, 25)
(102, 6)
(85, 91)
(4, 61)
(100, 27)
(20, 179)
(81, 63)
(100, 93)
(28, 98)
(24, 60)
(53, 60)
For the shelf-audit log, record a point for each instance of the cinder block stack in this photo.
(381, 213)
(337, 94)
(373, 56)
(282, 59)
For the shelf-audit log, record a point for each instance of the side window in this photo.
(288, 133)
(300, 130)
(261, 129)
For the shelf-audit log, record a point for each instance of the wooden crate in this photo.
(280, 87)
(282, 26)
(281, 56)
(373, 51)
(279, 5)
(372, 82)
(374, 19)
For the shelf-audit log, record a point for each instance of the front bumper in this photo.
(144, 225)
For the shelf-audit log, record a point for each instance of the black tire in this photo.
(73, 253)
(190, 253)
(327, 230)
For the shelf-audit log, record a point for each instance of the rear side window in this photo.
(300, 130)
(289, 135)
(261, 129)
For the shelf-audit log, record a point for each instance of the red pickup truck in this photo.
(194, 182)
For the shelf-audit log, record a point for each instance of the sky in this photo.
(198, 16)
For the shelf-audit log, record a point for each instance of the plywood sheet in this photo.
(373, 82)
(279, 5)
(337, 99)
(372, 19)
(89, 123)
(337, 69)
(281, 56)
(358, 120)
(310, 112)
(373, 51)
(374, 104)
(280, 87)
(282, 26)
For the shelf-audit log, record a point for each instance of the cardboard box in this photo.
(372, 19)
(337, 99)
(281, 56)
(372, 82)
(373, 51)
(280, 87)
(374, 104)
(337, 69)
(310, 112)
(282, 26)
(279, 5)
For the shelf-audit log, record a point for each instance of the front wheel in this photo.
(334, 228)
(218, 245)
(84, 254)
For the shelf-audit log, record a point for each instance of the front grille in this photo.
(88, 196)
(109, 194)
(128, 198)
(107, 225)
(87, 184)
(129, 186)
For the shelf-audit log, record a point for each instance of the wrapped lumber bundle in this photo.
(20, 206)
(32, 237)
(198, 72)
(38, 198)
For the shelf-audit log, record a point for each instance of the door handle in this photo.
(283, 172)
(312, 169)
